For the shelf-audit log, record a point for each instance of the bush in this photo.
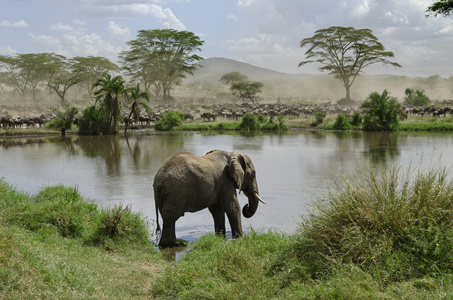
(262, 118)
(250, 122)
(416, 98)
(169, 120)
(94, 120)
(342, 122)
(64, 118)
(395, 225)
(319, 115)
(56, 208)
(357, 119)
(382, 112)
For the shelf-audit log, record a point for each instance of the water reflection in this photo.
(292, 168)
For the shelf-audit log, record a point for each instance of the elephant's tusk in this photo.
(259, 198)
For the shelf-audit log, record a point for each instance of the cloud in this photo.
(130, 9)
(71, 44)
(118, 32)
(231, 16)
(6, 23)
(7, 50)
(60, 27)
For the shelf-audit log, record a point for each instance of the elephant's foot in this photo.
(173, 244)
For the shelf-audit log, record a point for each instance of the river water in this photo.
(293, 169)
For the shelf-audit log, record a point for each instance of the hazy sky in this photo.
(265, 33)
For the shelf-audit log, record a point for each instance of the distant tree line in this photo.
(157, 60)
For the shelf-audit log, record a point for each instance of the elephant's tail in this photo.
(158, 231)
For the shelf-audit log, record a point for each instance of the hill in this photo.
(213, 68)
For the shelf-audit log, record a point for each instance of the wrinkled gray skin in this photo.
(189, 183)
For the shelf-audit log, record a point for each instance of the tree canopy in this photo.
(345, 52)
(442, 7)
(161, 57)
(247, 89)
(233, 77)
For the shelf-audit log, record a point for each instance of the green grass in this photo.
(426, 126)
(55, 245)
(386, 235)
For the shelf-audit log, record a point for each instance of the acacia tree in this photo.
(60, 74)
(345, 52)
(247, 90)
(92, 68)
(442, 7)
(162, 57)
(233, 77)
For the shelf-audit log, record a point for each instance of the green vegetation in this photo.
(64, 118)
(319, 115)
(361, 242)
(55, 245)
(94, 120)
(345, 52)
(170, 120)
(161, 58)
(382, 112)
(247, 90)
(442, 7)
(429, 125)
(416, 98)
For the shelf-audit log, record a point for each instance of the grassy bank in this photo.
(55, 245)
(384, 235)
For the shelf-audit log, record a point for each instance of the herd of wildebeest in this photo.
(213, 112)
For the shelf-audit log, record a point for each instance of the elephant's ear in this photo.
(237, 167)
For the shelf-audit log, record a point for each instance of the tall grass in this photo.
(56, 245)
(397, 224)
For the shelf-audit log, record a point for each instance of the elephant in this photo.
(189, 183)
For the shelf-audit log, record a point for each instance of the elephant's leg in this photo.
(219, 218)
(233, 212)
(168, 237)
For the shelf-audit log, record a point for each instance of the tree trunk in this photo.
(348, 92)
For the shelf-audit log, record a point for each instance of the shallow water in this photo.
(293, 169)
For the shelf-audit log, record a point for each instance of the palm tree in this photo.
(110, 89)
(133, 95)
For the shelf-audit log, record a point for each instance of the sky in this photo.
(264, 33)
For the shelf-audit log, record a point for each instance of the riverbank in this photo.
(362, 242)
(413, 123)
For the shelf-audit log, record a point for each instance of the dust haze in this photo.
(205, 88)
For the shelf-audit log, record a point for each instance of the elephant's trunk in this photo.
(249, 209)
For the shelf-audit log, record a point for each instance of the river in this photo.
(293, 169)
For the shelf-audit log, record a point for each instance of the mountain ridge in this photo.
(213, 68)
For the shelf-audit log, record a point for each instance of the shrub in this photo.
(416, 98)
(392, 223)
(94, 120)
(121, 225)
(57, 208)
(357, 119)
(64, 118)
(250, 122)
(319, 115)
(262, 118)
(382, 112)
(342, 122)
(169, 120)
